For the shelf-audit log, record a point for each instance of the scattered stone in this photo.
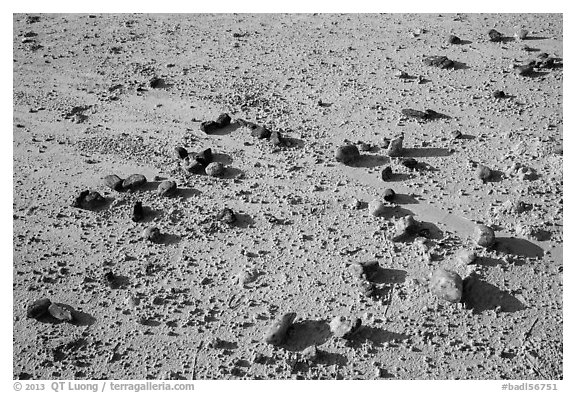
(494, 35)
(395, 148)
(439, 61)
(404, 227)
(389, 195)
(410, 163)
(376, 208)
(152, 234)
(484, 236)
(499, 94)
(215, 169)
(261, 132)
(276, 138)
(134, 181)
(226, 215)
(114, 182)
(446, 285)
(521, 34)
(89, 200)
(342, 327)
(38, 308)
(60, 312)
(137, 212)
(346, 154)
(276, 333)
(452, 39)
(167, 188)
(483, 172)
(364, 269)
(386, 174)
(466, 257)
(180, 153)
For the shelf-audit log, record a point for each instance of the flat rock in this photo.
(60, 312)
(439, 61)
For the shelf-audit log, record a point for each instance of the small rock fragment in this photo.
(114, 182)
(405, 227)
(193, 166)
(521, 34)
(89, 200)
(452, 39)
(483, 172)
(137, 212)
(38, 308)
(484, 236)
(205, 157)
(456, 134)
(386, 174)
(276, 333)
(215, 169)
(276, 138)
(499, 94)
(376, 208)
(494, 35)
(60, 312)
(134, 181)
(439, 61)
(446, 285)
(152, 234)
(226, 215)
(209, 127)
(167, 188)
(346, 154)
(395, 148)
(466, 257)
(524, 70)
(389, 195)
(342, 327)
(261, 132)
(223, 120)
(180, 153)
(156, 82)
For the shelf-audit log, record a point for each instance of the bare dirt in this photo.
(85, 107)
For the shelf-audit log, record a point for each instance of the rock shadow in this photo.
(396, 212)
(369, 161)
(495, 176)
(167, 239)
(149, 186)
(149, 213)
(79, 318)
(232, 173)
(226, 130)
(292, 143)
(398, 177)
(534, 38)
(518, 247)
(480, 296)
(304, 334)
(487, 261)
(222, 158)
(426, 152)
(460, 66)
(405, 199)
(388, 276)
(119, 282)
(187, 192)
(243, 220)
(375, 335)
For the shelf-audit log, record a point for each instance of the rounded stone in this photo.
(376, 208)
(346, 154)
(134, 181)
(113, 181)
(484, 236)
(167, 188)
(389, 195)
(446, 285)
(215, 169)
(466, 257)
(483, 172)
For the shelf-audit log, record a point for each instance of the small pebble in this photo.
(456, 134)
(167, 188)
(484, 236)
(362, 146)
(364, 269)
(89, 200)
(276, 333)
(209, 127)
(446, 285)
(346, 154)
(215, 169)
(310, 353)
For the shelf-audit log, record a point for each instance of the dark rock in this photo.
(276, 333)
(452, 39)
(223, 120)
(114, 182)
(456, 134)
(89, 200)
(204, 157)
(395, 148)
(134, 181)
(156, 82)
(410, 163)
(524, 70)
(180, 153)
(495, 36)
(152, 234)
(389, 195)
(38, 308)
(346, 154)
(167, 188)
(439, 61)
(261, 132)
(499, 94)
(227, 216)
(193, 166)
(209, 126)
(387, 173)
(60, 312)
(137, 212)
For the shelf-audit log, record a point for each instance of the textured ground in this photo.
(83, 109)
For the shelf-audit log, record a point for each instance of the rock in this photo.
(483, 172)
(466, 257)
(386, 174)
(525, 173)
(521, 34)
(114, 182)
(223, 120)
(376, 208)
(512, 169)
(532, 232)
(362, 146)
(452, 39)
(134, 181)
(364, 269)
(414, 113)
(261, 132)
(389, 195)
(484, 236)
(209, 127)
(456, 134)
(246, 277)
(193, 166)
(310, 353)
(167, 188)
(499, 94)
(366, 288)
(494, 35)
(401, 74)
(89, 200)
(410, 163)
(60, 312)
(226, 215)
(405, 227)
(276, 138)
(446, 285)
(524, 70)
(156, 82)
(137, 212)
(38, 308)
(395, 148)
(439, 61)
(342, 327)
(215, 169)
(276, 333)
(180, 153)
(346, 154)
(152, 234)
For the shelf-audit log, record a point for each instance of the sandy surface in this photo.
(84, 109)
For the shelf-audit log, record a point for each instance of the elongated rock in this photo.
(38, 308)
(60, 312)
(137, 212)
(446, 285)
(134, 181)
(113, 181)
(346, 154)
(484, 236)
(276, 333)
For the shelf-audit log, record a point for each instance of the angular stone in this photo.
(137, 212)
(223, 120)
(484, 236)
(261, 132)
(389, 195)
(276, 333)
(193, 166)
(180, 153)
(395, 148)
(204, 157)
(276, 138)
(343, 327)
(152, 234)
(495, 36)
(226, 215)
(209, 127)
